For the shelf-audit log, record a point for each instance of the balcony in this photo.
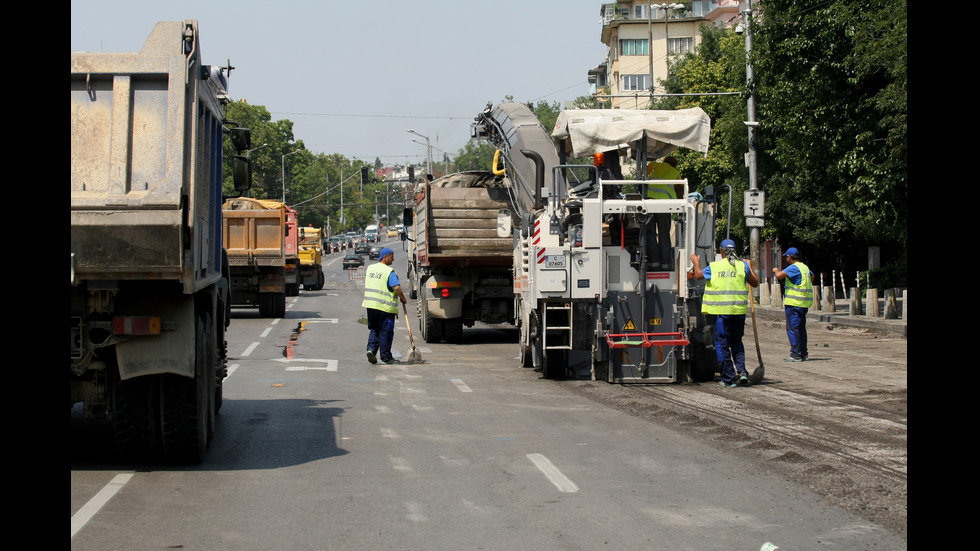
(617, 12)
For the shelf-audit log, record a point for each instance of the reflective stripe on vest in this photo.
(800, 295)
(376, 293)
(726, 292)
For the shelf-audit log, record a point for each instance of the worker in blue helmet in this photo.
(797, 301)
(725, 304)
(382, 291)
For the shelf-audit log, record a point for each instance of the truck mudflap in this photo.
(172, 351)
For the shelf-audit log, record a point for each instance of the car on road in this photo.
(392, 232)
(353, 261)
(375, 252)
(362, 248)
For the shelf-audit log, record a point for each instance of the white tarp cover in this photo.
(583, 132)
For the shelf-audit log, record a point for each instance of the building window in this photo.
(680, 45)
(634, 46)
(640, 11)
(635, 82)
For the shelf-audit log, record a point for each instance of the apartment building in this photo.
(641, 37)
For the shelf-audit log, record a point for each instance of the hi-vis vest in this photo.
(376, 293)
(726, 292)
(662, 171)
(800, 295)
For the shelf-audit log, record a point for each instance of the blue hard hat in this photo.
(728, 244)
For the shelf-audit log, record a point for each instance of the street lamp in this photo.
(284, 173)
(428, 151)
(665, 7)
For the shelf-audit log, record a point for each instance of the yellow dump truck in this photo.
(254, 235)
(310, 258)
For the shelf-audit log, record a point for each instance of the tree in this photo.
(475, 155)
(833, 103)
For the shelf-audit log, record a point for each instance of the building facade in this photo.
(641, 37)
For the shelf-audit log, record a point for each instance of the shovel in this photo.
(415, 357)
(760, 372)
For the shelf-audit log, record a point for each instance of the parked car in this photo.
(375, 252)
(353, 261)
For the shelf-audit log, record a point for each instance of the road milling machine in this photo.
(600, 290)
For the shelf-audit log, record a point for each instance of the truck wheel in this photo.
(319, 280)
(453, 330)
(292, 289)
(131, 414)
(431, 327)
(186, 409)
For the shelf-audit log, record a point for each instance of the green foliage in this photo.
(475, 155)
(833, 105)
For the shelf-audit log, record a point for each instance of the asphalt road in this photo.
(317, 449)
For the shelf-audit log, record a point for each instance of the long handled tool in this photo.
(415, 356)
(760, 371)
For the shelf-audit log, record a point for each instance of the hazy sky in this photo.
(354, 75)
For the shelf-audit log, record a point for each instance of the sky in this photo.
(353, 76)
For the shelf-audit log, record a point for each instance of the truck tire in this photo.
(319, 279)
(132, 417)
(453, 330)
(272, 305)
(186, 405)
(431, 327)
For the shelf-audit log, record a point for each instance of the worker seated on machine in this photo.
(659, 243)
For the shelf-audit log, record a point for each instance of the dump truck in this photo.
(311, 258)
(149, 277)
(460, 269)
(291, 248)
(255, 238)
(593, 299)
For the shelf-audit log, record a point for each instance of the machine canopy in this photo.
(583, 132)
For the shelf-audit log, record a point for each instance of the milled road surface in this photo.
(837, 424)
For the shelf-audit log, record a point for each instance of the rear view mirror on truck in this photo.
(242, 173)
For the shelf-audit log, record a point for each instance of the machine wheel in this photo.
(319, 280)
(525, 343)
(453, 330)
(554, 364)
(704, 362)
(186, 408)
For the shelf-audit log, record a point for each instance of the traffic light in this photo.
(364, 174)
(411, 174)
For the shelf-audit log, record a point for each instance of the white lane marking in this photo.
(389, 433)
(460, 385)
(231, 369)
(85, 514)
(331, 366)
(265, 333)
(250, 348)
(554, 475)
(276, 321)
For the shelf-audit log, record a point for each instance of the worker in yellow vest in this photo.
(725, 303)
(382, 291)
(658, 234)
(797, 300)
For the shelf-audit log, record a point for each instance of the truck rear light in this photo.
(445, 293)
(136, 325)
